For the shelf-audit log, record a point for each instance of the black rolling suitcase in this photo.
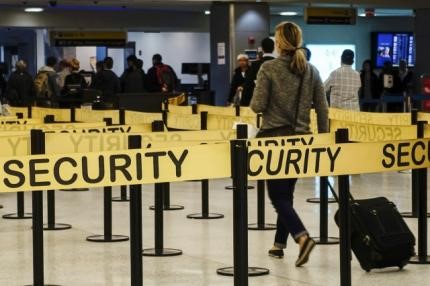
(379, 235)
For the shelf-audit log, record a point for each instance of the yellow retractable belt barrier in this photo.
(20, 121)
(14, 110)
(115, 168)
(371, 117)
(59, 113)
(135, 117)
(89, 115)
(222, 122)
(183, 121)
(338, 159)
(51, 126)
(364, 132)
(181, 110)
(217, 110)
(297, 140)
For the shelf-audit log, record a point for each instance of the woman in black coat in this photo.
(370, 87)
(20, 91)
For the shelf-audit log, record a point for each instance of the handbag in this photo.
(286, 130)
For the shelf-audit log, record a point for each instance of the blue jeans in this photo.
(281, 193)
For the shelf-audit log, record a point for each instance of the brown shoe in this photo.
(306, 250)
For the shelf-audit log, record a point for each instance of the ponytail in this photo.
(289, 42)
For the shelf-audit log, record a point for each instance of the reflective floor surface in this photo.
(207, 245)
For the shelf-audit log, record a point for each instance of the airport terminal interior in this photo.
(159, 142)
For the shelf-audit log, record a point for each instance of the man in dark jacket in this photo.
(107, 81)
(20, 91)
(132, 79)
(161, 77)
(268, 46)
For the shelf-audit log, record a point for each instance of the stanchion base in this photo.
(119, 199)
(15, 216)
(170, 208)
(411, 215)
(57, 226)
(102, 238)
(419, 260)
(205, 216)
(161, 252)
(317, 200)
(326, 240)
(266, 226)
(232, 188)
(75, 190)
(252, 271)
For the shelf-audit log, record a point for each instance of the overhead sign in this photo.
(330, 16)
(88, 38)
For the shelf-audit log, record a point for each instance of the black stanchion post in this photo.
(324, 239)
(205, 183)
(240, 270)
(261, 210)
(344, 219)
(37, 138)
(50, 196)
(241, 133)
(195, 109)
(135, 142)
(73, 114)
(29, 111)
(107, 214)
(158, 126)
(414, 176)
(422, 257)
(123, 189)
(237, 110)
(159, 188)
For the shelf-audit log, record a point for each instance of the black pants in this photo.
(281, 193)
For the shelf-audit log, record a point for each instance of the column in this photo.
(234, 27)
(422, 34)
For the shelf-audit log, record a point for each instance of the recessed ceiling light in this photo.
(289, 13)
(207, 12)
(33, 9)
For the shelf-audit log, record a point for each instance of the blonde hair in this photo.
(74, 64)
(289, 40)
(242, 56)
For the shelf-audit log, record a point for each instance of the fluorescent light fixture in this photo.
(289, 13)
(362, 15)
(207, 12)
(33, 9)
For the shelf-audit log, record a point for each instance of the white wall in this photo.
(83, 55)
(176, 48)
(40, 48)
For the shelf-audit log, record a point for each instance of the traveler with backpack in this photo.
(161, 77)
(107, 81)
(20, 91)
(74, 79)
(46, 82)
(285, 91)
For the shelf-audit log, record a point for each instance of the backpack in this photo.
(165, 77)
(41, 85)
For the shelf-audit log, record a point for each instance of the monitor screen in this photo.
(196, 68)
(393, 47)
(327, 58)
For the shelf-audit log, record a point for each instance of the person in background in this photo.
(3, 83)
(369, 86)
(308, 54)
(268, 46)
(46, 81)
(139, 65)
(406, 77)
(106, 81)
(63, 73)
(239, 77)
(285, 91)
(161, 77)
(132, 79)
(74, 79)
(391, 86)
(20, 91)
(344, 84)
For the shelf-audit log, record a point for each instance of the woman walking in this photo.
(285, 92)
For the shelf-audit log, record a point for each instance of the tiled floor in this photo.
(207, 245)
